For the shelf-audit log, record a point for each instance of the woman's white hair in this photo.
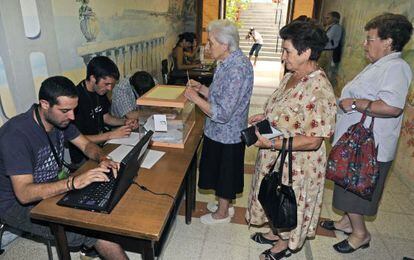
(225, 32)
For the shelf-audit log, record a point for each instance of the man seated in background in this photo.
(126, 92)
(92, 113)
(32, 166)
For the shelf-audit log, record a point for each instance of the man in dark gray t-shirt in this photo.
(32, 165)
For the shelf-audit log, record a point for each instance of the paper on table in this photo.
(151, 158)
(275, 132)
(130, 140)
(120, 152)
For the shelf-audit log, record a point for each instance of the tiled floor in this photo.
(392, 230)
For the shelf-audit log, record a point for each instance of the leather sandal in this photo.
(345, 248)
(330, 225)
(259, 238)
(269, 255)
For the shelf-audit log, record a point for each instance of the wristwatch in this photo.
(353, 106)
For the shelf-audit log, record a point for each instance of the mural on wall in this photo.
(115, 20)
(88, 21)
(189, 8)
(72, 30)
(353, 61)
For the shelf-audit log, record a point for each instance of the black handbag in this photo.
(278, 200)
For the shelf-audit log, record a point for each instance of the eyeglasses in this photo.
(371, 39)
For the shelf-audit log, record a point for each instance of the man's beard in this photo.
(57, 124)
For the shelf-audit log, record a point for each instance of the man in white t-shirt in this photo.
(258, 42)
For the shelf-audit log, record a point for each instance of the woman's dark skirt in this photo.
(222, 168)
(351, 203)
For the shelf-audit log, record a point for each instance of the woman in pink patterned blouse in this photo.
(303, 107)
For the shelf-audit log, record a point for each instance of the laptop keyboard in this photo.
(98, 193)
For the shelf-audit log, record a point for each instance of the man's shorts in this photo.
(255, 48)
(18, 217)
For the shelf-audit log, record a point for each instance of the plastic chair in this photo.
(3, 227)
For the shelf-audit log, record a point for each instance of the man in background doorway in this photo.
(258, 42)
(331, 57)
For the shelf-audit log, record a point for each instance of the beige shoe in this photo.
(209, 220)
(212, 207)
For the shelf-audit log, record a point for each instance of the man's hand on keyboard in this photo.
(99, 174)
(108, 163)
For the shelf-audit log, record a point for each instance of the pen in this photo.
(188, 79)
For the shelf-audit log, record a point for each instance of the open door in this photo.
(296, 8)
(208, 10)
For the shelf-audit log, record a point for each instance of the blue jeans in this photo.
(255, 48)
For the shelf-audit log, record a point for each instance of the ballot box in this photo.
(166, 111)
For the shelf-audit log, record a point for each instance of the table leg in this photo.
(61, 241)
(190, 189)
(148, 252)
(194, 181)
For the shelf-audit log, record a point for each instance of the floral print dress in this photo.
(308, 109)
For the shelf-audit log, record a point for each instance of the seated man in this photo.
(32, 166)
(92, 113)
(126, 92)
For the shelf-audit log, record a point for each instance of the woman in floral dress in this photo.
(302, 107)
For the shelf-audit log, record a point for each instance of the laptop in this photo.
(103, 196)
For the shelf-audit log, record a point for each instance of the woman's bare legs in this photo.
(223, 209)
(360, 235)
(344, 224)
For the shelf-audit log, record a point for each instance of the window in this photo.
(30, 18)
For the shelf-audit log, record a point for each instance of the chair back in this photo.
(164, 71)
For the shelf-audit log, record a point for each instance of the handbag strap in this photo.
(371, 125)
(282, 151)
(290, 160)
(282, 162)
(364, 116)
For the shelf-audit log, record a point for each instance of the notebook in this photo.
(103, 196)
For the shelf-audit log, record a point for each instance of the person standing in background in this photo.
(332, 54)
(258, 42)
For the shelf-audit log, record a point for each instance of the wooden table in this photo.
(140, 219)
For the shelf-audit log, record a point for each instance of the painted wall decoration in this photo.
(88, 21)
(353, 61)
(68, 28)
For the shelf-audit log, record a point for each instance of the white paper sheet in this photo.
(275, 132)
(132, 140)
(160, 123)
(120, 152)
(151, 158)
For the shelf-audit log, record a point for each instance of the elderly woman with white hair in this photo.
(226, 105)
